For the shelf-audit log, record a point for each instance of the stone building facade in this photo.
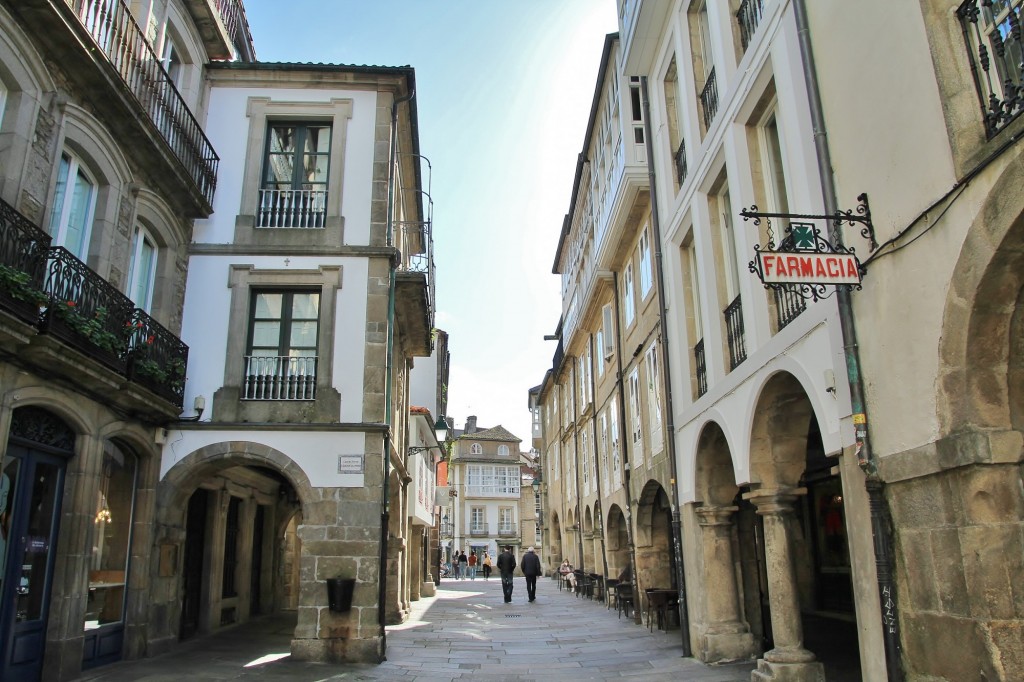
(204, 387)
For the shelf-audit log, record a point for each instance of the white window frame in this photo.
(608, 325)
(584, 462)
(503, 450)
(636, 421)
(60, 215)
(727, 235)
(476, 449)
(140, 238)
(654, 399)
(616, 452)
(599, 344)
(628, 304)
(557, 459)
(646, 271)
(506, 519)
(603, 436)
(477, 519)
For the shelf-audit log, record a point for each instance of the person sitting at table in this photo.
(567, 575)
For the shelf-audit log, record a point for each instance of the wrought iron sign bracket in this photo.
(811, 264)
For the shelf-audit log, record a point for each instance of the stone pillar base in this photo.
(727, 647)
(429, 589)
(337, 650)
(767, 671)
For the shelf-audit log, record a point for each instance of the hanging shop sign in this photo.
(804, 262)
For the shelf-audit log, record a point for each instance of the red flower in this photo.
(71, 304)
(150, 340)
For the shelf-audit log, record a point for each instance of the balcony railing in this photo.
(279, 377)
(479, 530)
(292, 208)
(118, 36)
(734, 333)
(701, 365)
(680, 159)
(709, 99)
(61, 295)
(230, 14)
(748, 17)
(999, 82)
(788, 304)
(508, 531)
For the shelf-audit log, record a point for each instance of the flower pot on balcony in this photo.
(339, 594)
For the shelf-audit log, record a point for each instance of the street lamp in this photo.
(440, 432)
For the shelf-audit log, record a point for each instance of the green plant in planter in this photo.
(19, 285)
(92, 328)
(171, 375)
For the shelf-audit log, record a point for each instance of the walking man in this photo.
(463, 565)
(472, 565)
(506, 564)
(531, 569)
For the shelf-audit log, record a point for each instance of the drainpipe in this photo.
(385, 511)
(666, 383)
(881, 528)
(597, 462)
(626, 466)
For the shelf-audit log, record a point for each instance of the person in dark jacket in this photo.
(531, 569)
(506, 564)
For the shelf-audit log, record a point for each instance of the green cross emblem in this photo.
(803, 236)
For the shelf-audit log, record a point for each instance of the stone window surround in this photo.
(259, 111)
(242, 280)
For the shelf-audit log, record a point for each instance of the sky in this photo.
(503, 90)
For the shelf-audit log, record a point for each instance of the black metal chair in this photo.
(624, 599)
(597, 586)
(609, 588)
(659, 603)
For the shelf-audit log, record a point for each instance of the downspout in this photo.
(626, 466)
(881, 528)
(385, 511)
(597, 461)
(677, 531)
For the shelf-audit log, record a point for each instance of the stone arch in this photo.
(182, 478)
(555, 540)
(714, 475)
(57, 402)
(778, 440)
(588, 520)
(617, 539)
(655, 558)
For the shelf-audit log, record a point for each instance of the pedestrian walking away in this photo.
(487, 566)
(506, 564)
(531, 569)
(463, 565)
(455, 564)
(472, 564)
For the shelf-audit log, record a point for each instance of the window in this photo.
(613, 429)
(603, 445)
(727, 235)
(111, 542)
(295, 174)
(556, 460)
(477, 520)
(584, 462)
(171, 61)
(570, 473)
(506, 520)
(282, 349)
(627, 294)
(636, 431)
(503, 450)
(599, 344)
(74, 203)
(142, 269)
(654, 399)
(476, 449)
(608, 331)
(485, 479)
(636, 117)
(646, 278)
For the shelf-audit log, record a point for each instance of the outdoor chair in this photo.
(609, 586)
(624, 599)
(597, 586)
(659, 603)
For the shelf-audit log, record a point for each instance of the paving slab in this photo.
(466, 632)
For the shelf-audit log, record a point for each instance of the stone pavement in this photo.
(466, 632)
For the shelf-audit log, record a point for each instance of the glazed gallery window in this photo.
(142, 270)
(483, 479)
(293, 192)
(74, 204)
(281, 360)
(108, 564)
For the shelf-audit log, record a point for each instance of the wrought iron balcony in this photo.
(479, 531)
(508, 531)
(709, 99)
(788, 305)
(992, 36)
(701, 365)
(115, 32)
(734, 332)
(50, 289)
(748, 17)
(279, 378)
(415, 281)
(680, 159)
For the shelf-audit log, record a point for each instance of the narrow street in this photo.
(467, 632)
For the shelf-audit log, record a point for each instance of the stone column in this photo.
(243, 581)
(213, 560)
(789, 660)
(726, 636)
